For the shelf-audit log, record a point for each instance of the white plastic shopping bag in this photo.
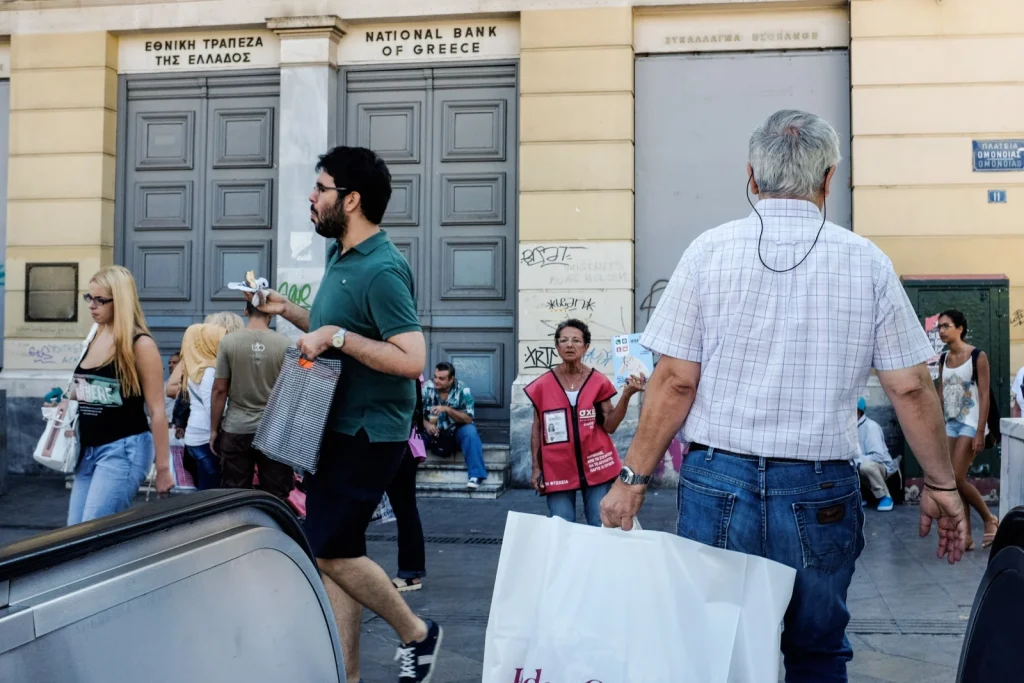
(579, 604)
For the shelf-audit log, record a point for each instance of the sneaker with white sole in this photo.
(885, 504)
(417, 660)
(473, 484)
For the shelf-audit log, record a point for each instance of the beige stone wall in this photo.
(927, 80)
(575, 179)
(61, 188)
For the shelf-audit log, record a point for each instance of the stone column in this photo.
(309, 98)
(576, 195)
(60, 210)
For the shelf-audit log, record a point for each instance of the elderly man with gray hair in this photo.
(768, 331)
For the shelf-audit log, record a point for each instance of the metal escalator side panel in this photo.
(242, 603)
(46, 550)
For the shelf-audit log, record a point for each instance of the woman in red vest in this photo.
(572, 419)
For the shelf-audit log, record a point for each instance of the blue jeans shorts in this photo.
(956, 428)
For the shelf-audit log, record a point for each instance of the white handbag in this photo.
(58, 446)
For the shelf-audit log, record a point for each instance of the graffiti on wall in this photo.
(1017, 317)
(595, 265)
(542, 356)
(650, 300)
(298, 294)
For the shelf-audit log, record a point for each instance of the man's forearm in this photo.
(382, 356)
(667, 403)
(920, 415)
(459, 417)
(297, 315)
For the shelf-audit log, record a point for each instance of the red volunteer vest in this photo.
(571, 439)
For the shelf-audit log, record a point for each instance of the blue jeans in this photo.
(208, 465)
(563, 503)
(108, 477)
(805, 515)
(472, 449)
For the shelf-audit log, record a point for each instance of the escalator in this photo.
(214, 586)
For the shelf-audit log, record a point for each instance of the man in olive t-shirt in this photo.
(248, 364)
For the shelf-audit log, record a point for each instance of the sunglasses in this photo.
(98, 300)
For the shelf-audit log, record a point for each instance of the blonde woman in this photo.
(231, 322)
(120, 376)
(199, 363)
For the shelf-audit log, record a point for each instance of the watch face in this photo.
(625, 474)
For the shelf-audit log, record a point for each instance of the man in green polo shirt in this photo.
(366, 309)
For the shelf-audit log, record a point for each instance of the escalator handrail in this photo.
(62, 545)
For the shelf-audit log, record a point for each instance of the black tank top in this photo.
(105, 414)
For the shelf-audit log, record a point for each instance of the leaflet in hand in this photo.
(629, 358)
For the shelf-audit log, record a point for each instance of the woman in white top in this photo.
(965, 404)
(199, 361)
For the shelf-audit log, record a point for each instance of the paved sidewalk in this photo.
(909, 609)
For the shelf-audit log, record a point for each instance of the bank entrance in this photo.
(449, 137)
(196, 195)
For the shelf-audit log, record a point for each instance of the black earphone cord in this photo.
(824, 217)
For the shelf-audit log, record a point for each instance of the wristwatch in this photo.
(631, 478)
(338, 340)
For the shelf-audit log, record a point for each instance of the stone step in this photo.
(489, 490)
(456, 473)
(493, 453)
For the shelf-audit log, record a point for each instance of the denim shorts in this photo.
(956, 428)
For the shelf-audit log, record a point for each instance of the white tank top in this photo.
(960, 394)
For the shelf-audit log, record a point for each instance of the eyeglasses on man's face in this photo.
(96, 301)
(320, 188)
(946, 326)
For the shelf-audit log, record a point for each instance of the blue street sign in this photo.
(997, 196)
(998, 155)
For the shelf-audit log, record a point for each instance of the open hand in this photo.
(635, 384)
(947, 508)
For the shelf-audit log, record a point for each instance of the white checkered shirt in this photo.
(784, 356)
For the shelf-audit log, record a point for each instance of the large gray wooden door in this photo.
(694, 117)
(449, 138)
(196, 195)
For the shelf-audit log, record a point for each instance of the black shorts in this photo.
(341, 497)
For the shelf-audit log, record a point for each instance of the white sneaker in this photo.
(473, 484)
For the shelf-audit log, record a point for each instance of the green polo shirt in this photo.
(369, 290)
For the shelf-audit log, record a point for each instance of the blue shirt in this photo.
(459, 397)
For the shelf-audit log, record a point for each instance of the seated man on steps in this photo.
(874, 463)
(448, 419)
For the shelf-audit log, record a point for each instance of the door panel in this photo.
(197, 204)
(163, 216)
(240, 195)
(391, 123)
(694, 117)
(449, 138)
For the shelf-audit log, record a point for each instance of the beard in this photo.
(332, 223)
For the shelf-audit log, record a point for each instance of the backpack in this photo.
(992, 438)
